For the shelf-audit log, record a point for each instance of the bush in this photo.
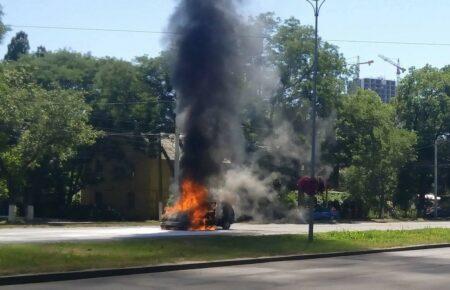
(334, 197)
(289, 199)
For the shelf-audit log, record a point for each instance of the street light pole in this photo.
(316, 5)
(443, 137)
(435, 175)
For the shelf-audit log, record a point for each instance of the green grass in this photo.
(33, 258)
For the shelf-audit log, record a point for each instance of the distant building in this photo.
(132, 178)
(386, 89)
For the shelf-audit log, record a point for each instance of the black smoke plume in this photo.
(206, 77)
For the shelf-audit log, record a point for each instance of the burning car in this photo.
(195, 211)
(216, 215)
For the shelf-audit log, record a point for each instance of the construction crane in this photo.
(358, 65)
(400, 69)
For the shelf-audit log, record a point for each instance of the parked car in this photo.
(441, 212)
(326, 214)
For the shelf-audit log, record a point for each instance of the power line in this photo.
(136, 103)
(91, 29)
(104, 104)
(362, 41)
(390, 42)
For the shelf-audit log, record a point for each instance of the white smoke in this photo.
(253, 196)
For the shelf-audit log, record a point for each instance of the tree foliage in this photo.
(371, 148)
(125, 96)
(423, 103)
(121, 97)
(18, 46)
(292, 50)
(3, 27)
(38, 126)
(423, 106)
(278, 85)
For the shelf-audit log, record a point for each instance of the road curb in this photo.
(76, 275)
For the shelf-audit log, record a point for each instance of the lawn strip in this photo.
(60, 257)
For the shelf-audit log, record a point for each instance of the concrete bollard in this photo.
(12, 213)
(30, 213)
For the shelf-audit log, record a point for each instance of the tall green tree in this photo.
(65, 69)
(371, 149)
(292, 49)
(125, 96)
(278, 83)
(38, 127)
(41, 51)
(18, 46)
(123, 100)
(3, 27)
(423, 106)
(154, 73)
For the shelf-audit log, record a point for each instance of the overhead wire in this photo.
(108, 103)
(175, 33)
(100, 29)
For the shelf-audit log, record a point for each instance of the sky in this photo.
(412, 21)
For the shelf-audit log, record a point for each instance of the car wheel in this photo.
(226, 225)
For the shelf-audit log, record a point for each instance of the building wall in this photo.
(386, 89)
(135, 195)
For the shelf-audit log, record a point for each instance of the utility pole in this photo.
(176, 174)
(160, 178)
(316, 5)
(435, 175)
(443, 137)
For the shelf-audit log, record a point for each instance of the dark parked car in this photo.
(219, 215)
(441, 212)
(326, 214)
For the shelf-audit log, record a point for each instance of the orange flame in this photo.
(194, 202)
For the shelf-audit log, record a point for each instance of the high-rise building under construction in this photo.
(386, 89)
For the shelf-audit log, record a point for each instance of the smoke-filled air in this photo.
(206, 75)
(206, 78)
(213, 48)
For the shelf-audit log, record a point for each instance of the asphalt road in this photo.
(424, 269)
(55, 234)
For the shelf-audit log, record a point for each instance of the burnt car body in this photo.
(219, 215)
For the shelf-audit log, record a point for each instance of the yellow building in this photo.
(134, 178)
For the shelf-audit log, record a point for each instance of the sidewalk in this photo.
(55, 234)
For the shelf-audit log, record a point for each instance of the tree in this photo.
(64, 69)
(423, 106)
(371, 148)
(292, 50)
(123, 101)
(155, 75)
(38, 127)
(278, 81)
(18, 46)
(3, 27)
(287, 52)
(125, 96)
(41, 51)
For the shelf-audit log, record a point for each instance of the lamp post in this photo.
(442, 137)
(316, 5)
